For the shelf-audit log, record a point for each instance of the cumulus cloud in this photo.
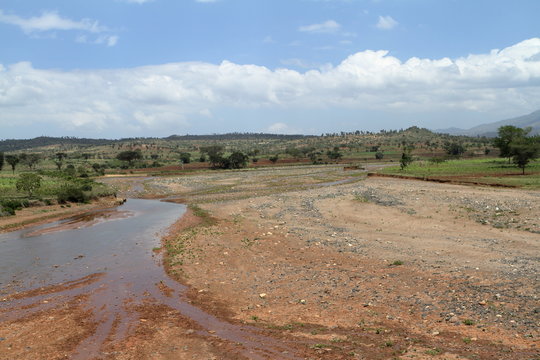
(386, 23)
(177, 94)
(328, 27)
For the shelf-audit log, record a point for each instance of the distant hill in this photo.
(236, 136)
(490, 129)
(44, 141)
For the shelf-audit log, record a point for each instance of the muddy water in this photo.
(108, 256)
(98, 242)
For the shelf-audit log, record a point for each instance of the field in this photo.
(488, 171)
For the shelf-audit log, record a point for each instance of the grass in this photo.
(204, 215)
(433, 352)
(490, 170)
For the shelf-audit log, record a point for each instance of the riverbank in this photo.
(38, 215)
(380, 268)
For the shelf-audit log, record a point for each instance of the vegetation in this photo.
(28, 182)
(130, 156)
(12, 160)
(482, 170)
(454, 149)
(406, 158)
(66, 166)
(515, 144)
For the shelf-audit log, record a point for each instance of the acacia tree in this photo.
(523, 150)
(12, 160)
(508, 134)
(129, 156)
(31, 160)
(59, 162)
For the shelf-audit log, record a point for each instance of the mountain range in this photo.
(490, 129)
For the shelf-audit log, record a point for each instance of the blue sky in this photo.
(118, 68)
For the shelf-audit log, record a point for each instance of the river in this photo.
(109, 257)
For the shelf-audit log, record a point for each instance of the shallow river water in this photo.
(108, 255)
(103, 241)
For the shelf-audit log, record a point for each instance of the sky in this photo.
(144, 68)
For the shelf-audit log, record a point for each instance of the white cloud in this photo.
(174, 95)
(328, 27)
(49, 21)
(109, 40)
(386, 23)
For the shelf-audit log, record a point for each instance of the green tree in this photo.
(31, 160)
(12, 160)
(185, 157)
(406, 158)
(238, 160)
(215, 155)
(334, 154)
(274, 158)
(130, 156)
(454, 149)
(507, 134)
(523, 150)
(28, 182)
(1, 160)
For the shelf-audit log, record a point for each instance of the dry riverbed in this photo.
(331, 265)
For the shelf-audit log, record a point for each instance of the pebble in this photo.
(262, 295)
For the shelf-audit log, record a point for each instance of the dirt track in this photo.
(367, 269)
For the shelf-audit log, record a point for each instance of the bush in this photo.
(10, 205)
(72, 193)
(28, 182)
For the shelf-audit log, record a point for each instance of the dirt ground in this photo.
(318, 263)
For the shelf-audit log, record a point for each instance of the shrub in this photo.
(10, 205)
(274, 158)
(72, 193)
(28, 182)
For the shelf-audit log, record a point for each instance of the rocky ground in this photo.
(334, 265)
